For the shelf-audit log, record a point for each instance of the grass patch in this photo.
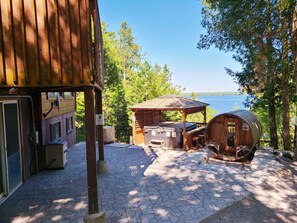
(80, 135)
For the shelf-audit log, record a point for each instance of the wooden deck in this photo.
(49, 43)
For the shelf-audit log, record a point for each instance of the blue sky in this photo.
(168, 32)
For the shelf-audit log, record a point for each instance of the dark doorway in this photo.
(231, 134)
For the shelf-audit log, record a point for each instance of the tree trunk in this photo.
(294, 50)
(285, 82)
(272, 124)
(285, 113)
(270, 79)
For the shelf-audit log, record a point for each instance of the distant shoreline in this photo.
(212, 93)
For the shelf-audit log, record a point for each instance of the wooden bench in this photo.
(215, 147)
(195, 137)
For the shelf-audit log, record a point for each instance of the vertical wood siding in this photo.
(140, 119)
(49, 43)
(217, 129)
(66, 105)
(2, 62)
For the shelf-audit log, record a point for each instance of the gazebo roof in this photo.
(170, 102)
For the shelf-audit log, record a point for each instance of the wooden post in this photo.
(133, 128)
(184, 130)
(204, 113)
(100, 127)
(91, 150)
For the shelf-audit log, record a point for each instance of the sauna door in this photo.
(231, 134)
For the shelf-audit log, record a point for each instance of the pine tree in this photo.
(257, 33)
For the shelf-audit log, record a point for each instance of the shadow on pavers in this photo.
(247, 210)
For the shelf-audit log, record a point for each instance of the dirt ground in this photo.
(273, 200)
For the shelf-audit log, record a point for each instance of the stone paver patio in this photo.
(157, 185)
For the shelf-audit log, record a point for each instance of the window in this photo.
(231, 127)
(55, 131)
(231, 134)
(69, 124)
(52, 95)
(68, 95)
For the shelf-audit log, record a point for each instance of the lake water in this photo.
(224, 103)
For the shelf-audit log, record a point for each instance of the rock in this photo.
(286, 156)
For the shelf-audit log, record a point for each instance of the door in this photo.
(11, 171)
(231, 132)
(2, 156)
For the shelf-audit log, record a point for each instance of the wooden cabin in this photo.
(58, 119)
(48, 51)
(150, 113)
(233, 135)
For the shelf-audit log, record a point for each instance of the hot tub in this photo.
(166, 134)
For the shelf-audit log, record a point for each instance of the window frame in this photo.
(69, 124)
(52, 129)
(52, 95)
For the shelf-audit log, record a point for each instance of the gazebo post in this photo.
(204, 114)
(184, 130)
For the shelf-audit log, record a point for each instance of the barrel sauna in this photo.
(233, 135)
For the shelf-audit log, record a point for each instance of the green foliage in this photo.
(193, 95)
(80, 110)
(198, 117)
(172, 116)
(80, 135)
(80, 117)
(129, 79)
(259, 35)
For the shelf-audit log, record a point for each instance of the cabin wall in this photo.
(140, 119)
(42, 125)
(216, 131)
(66, 135)
(67, 104)
(246, 135)
(27, 147)
(65, 113)
(48, 43)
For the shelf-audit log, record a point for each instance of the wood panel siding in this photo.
(31, 42)
(69, 137)
(65, 42)
(48, 43)
(248, 128)
(66, 106)
(140, 119)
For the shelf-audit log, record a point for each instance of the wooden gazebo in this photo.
(150, 112)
